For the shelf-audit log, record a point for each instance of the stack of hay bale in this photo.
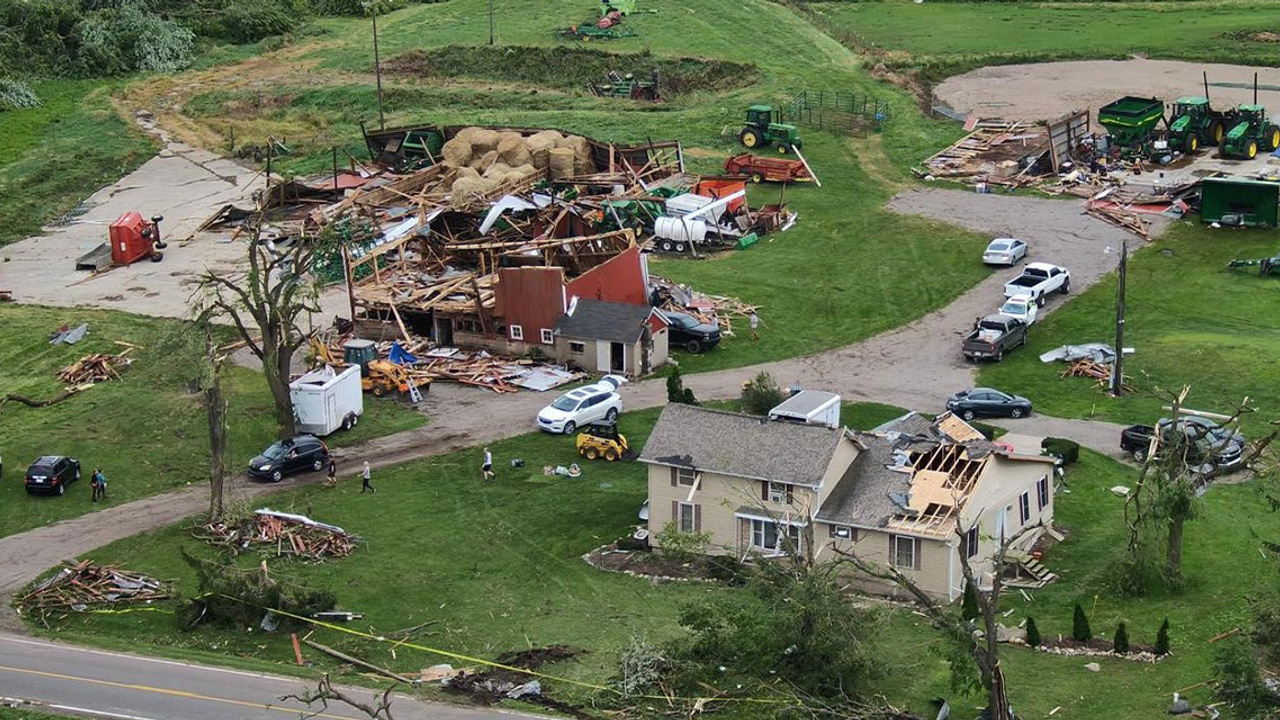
(485, 159)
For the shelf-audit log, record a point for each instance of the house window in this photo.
(686, 476)
(548, 337)
(1042, 492)
(517, 332)
(904, 552)
(767, 535)
(688, 518)
(1024, 507)
(971, 542)
(779, 492)
(577, 348)
(842, 532)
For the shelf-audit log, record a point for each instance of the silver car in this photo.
(1004, 251)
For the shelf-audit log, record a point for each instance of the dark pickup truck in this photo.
(1208, 441)
(992, 336)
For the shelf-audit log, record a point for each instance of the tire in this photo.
(1216, 132)
(1272, 137)
(757, 178)
(62, 489)
(379, 391)
(1251, 151)
(156, 256)
(610, 454)
(612, 415)
(783, 148)
(967, 415)
(1191, 145)
(693, 346)
(276, 476)
(1040, 301)
(749, 137)
(569, 427)
(999, 355)
(679, 247)
(347, 422)
(77, 473)
(1015, 413)
(318, 465)
(665, 246)
(591, 453)
(1066, 286)
(1140, 455)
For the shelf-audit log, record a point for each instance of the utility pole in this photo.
(490, 22)
(1117, 373)
(377, 64)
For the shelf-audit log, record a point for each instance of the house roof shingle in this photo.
(741, 445)
(864, 494)
(603, 320)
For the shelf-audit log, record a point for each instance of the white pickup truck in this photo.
(1039, 280)
(1021, 307)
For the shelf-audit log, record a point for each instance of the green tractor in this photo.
(1193, 124)
(1250, 132)
(760, 130)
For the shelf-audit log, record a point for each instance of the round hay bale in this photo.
(485, 161)
(525, 169)
(467, 189)
(497, 170)
(514, 151)
(457, 152)
(561, 163)
(484, 139)
(505, 135)
(466, 172)
(540, 158)
(544, 140)
(466, 133)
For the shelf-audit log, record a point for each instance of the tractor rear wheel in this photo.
(1252, 149)
(1192, 144)
(749, 137)
(1272, 137)
(1216, 131)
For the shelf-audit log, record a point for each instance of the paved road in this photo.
(66, 679)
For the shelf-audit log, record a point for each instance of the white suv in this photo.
(587, 404)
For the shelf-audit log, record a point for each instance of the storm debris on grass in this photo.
(291, 535)
(82, 585)
(493, 685)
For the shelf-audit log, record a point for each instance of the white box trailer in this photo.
(327, 399)
(809, 407)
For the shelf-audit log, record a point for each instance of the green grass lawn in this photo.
(975, 34)
(1189, 320)
(8, 713)
(498, 567)
(146, 431)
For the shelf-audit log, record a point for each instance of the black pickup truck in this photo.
(992, 336)
(1207, 441)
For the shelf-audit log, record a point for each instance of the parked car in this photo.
(1039, 280)
(988, 402)
(1021, 307)
(51, 474)
(299, 453)
(1004, 251)
(992, 336)
(690, 333)
(587, 404)
(1208, 441)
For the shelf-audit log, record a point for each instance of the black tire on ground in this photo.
(1140, 455)
(77, 473)
(1191, 144)
(1251, 150)
(276, 476)
(1040, 301)
(156, 256)
(967, 415)
(693, 346)
(569, 427)
(347, 422)
(665, 245)
(679, 247)
(1216, 132)
(1015, 413)
(612, 415)
(757, 178)
(379, 391)
(999, 355)
(1271, 137)
(591, 453)
(749, 137)
(1066, 286)
(318, 465)
(783, 148)
(610, 454)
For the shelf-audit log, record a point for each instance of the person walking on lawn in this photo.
(754, 320)
(331, 480)
(98, 484)
(365, 475)
(487, 468)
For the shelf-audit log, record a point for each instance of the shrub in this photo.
(1162, 638)
(762, 394)
(1120, 643)
(1080, 626)
(969, 604)
(128, 38)
(239, 598)
(641, 667)
(727, 569)
(676, 391)
(245, 21)
(681, 546)
(1266, 625)
(1033, 633)
(15, 94)
(1066, 450)
(1239, 682)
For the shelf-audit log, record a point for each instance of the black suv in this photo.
(50, 475)
(691, 333)
(286, 457)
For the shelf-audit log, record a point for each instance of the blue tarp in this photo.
(400, 356)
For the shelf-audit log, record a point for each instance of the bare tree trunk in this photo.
(217, 410)
(1173, 554)
(275, 369)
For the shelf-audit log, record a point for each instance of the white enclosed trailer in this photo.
(327, 399)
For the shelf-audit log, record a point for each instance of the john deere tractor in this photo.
(1193, 124)
(760, 130)
(1250, 132)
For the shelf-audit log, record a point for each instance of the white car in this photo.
(1004, 251)
(1022, 307)
(590, 403)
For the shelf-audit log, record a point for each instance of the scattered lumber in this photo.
(358, 662)
(96, 368)
(81, 585)
(1088, 368)
(295, 535)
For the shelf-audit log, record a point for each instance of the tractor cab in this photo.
(1190, 106)
(760, 115)
(1193, 123)
(760, 130)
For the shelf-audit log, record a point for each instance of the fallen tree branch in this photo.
(357, 662)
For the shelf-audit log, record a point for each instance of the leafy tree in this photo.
(1120, 643)
(761, 394)
(1033, 633)
(676, 391)
(1239, 681)
(1080, 626)
(1162, 638)
(969, 605)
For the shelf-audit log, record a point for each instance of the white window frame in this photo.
(897, 552)
(779, 492)
(517, 332)
(1024, 507)
(759, 535)
(1042, 492)
(841, 532)
(686, 477)
(693, 518)
(548, 337)
(577, 348)
(1002, 522)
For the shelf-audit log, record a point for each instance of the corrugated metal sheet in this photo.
(620, 279)
(532, 298)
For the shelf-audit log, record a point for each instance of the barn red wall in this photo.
(619, 279)
(532, 298)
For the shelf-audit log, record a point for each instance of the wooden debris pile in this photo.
(1119, 216)
(719, 310)
(93, 369)
(296, 535)
(1088, 368)
(992, 150)
(79, 586)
